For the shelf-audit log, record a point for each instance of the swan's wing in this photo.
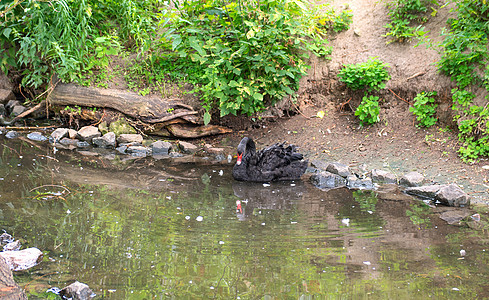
(277, 156)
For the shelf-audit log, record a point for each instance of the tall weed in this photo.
(464, 59)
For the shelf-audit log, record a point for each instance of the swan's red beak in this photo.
(240, 157)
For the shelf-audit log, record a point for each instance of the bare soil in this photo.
(395, 143)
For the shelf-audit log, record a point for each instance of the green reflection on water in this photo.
(289, 241)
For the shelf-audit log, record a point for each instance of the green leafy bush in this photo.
(464, 59)
(247, 54)
(370, 75)
(424, 109)
(333, 21)
(68, 37)
(403, 15)
(368, 111)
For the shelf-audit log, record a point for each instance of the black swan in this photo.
(273, 163)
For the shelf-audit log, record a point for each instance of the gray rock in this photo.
(23, 259)
(82, 144)
(37, 136)
(67, 141)
(5, 238)
(17, 110)
(11, 103)
(161, 148)
(139, 151)
(77, 291)
(220, 157)
(2, 110)
(121, 149)
(338, 168)
(106, 141)
(382, 176)
(59, 134)
(175, 154)
(310, 169)
(2, 130)
(130, 138)
(412, 179)
(452, 195)
(454, 216)
(6, 95)
(327, 180)
(72, 133)
(360, 170)
(87, 133)
(319, 164)
(353, 182)
(12, 246)
(427, 191)
(187, 147)
(12, 134)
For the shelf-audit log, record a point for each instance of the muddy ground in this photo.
(395, 143)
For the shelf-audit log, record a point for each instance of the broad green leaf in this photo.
(207, 118)
(195, 44)
(233, 83)
(7, 31)
(177, 40)
(100, 39)
(258, 96)
(250, 34)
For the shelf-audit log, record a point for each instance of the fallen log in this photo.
(162, 117)
(146, 109)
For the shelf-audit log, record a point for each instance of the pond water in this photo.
(170, 228)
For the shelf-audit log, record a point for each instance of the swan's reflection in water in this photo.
(254, 196)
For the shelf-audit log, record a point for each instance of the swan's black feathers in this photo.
(275, 162)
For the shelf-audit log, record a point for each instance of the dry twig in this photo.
(400, 97)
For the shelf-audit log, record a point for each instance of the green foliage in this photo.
(367, 200)
(464, 59)
(462, 100)
(67, 37)
(419, 214)
(424, 109)
(245, 55)
(403, 13)
(370, 75)
(333, 21)
(368, 111)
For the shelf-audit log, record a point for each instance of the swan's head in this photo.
(240, 158)
(242, 147)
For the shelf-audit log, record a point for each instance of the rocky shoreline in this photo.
(89, 140)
